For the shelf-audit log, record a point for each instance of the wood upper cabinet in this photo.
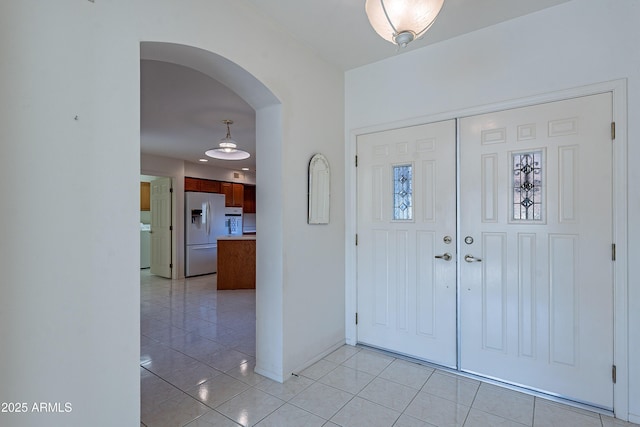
(234, 194)
(202, 185)
(238, 195)
(225, 188)
(145, 196)
(249, 199)
(209, 186)
(192, 184)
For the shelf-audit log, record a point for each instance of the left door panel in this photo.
(406, 241)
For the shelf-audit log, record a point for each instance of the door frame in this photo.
(618, 88)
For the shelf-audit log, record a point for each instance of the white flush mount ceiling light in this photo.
(227, 149)
(402, 21)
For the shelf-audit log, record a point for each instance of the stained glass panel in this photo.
(527, 186)
(402, 192)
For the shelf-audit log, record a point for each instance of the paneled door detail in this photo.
(406, 241)
(161, 227)
(536, 283)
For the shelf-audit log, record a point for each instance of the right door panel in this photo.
(536, 277)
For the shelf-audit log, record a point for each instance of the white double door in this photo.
(496, 258)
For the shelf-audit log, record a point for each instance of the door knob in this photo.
(471, 258)
(446, 256)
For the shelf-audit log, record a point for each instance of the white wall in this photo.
(69, 312)
(312, 117)
(578, 43)
(69, 179)
(270, 242)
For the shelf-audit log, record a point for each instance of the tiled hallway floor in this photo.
(197, 360)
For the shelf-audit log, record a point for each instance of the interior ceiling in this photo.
(339, 31)
(182, 109)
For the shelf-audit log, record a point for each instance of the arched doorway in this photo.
(268, 144)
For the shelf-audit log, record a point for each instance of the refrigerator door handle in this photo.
(203, 247)
(208, 218)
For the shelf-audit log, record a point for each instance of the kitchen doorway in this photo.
(268, 108)
(156, 225)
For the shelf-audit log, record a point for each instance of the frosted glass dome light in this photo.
(402, 21)
(227, 150)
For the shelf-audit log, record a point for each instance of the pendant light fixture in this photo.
(227, 148)
(402, 21)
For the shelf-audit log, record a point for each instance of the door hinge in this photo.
(356, 239)
(171, 190)
(170, 265)
(613, 252)
(356, 161)
(613, 373)
(171, 228)
(356, 318)
(613, 130)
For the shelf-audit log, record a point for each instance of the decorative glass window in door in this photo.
(527, 186)
(402, 192)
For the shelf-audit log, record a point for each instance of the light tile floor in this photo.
(196, 369)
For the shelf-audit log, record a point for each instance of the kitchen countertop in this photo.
(243, 237)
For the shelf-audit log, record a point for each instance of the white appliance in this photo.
(145, 245)
(249, 223)
(204, 222)
(233, 221)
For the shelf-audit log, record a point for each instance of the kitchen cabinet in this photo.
(145, 196)
(201, 185)
(238, 195)
(227, 190)
(234, 194)
(236, 263)
(249, 205)
(192, 184)
(209, 186)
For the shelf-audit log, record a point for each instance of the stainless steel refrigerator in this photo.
(204, 222)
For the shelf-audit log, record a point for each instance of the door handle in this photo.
(446, 256)
(471, 258)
